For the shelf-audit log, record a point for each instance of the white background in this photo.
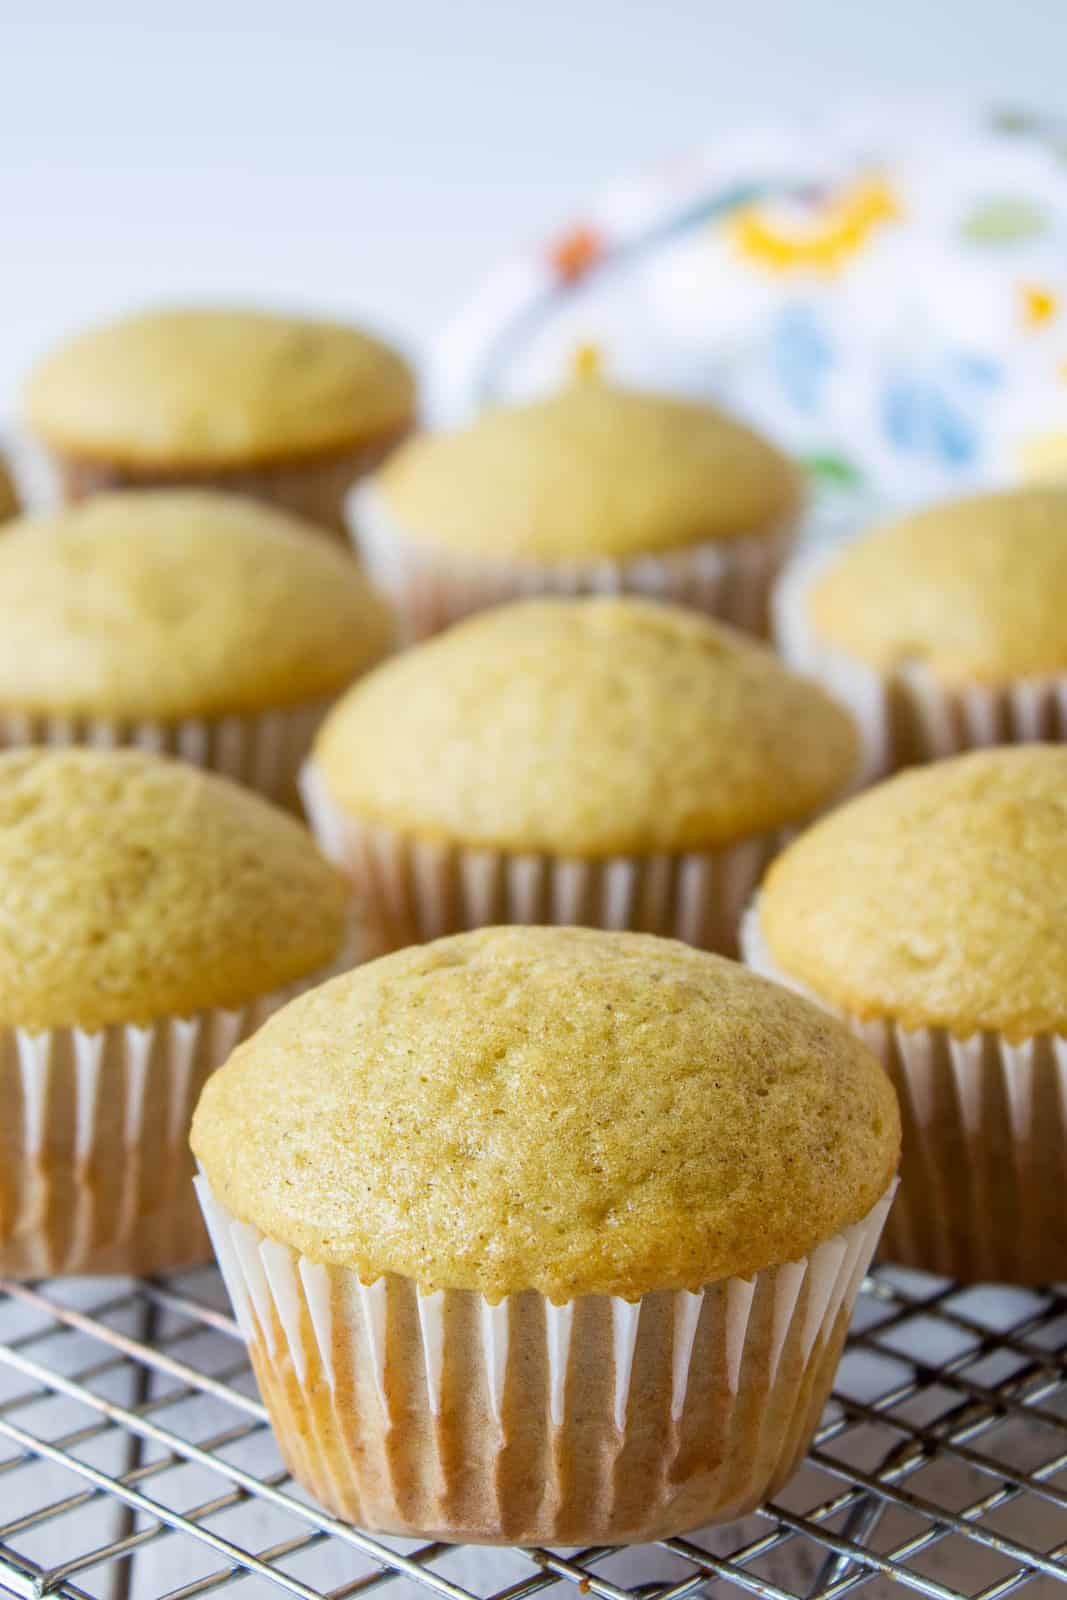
(374, 158)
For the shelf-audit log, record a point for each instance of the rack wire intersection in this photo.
(136, 1463)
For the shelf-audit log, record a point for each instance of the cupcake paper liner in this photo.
(95, 1175)
(909, 716)
(597, 1421)
(984, 1120)
(413, 889)
(314, 489)
(726, 578)
(262, 750)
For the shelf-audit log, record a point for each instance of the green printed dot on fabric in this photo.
(1002, 220)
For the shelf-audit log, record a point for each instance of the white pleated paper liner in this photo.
(597, 1421)
(262, 750)
(412, 889)
(95, 1167)
(983, 1176)
(909, 716)
(314, 489)
(727, 578)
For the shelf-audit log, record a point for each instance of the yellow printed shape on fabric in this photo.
(820, 238)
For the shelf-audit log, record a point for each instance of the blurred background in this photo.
(376, 159)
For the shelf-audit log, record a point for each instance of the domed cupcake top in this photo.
(586, 726)
(975, 590)
(134, 888)
(550, 1108)
(937, 898)
(170, 603)
(593, 471)
(199, 387)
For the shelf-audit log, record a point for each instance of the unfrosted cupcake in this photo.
(546, 1235)
(612, 762)
(595, 489)
(184, 621)
(283, 408)
(931, 913)
(944, 630)
(9, 500)
(150, 917)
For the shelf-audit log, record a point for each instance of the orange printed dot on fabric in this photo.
(577, 252)
(1039, 305)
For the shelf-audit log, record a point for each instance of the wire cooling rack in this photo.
(136, 1462)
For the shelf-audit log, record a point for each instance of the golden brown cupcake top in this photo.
(172, 603)
(134, 888)
(586, 727)
(975, 590)
(938, 898)
(215, 388)
(556, 1109)
(593, 471)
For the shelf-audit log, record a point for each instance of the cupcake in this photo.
(281, 408)
(9, 500)
(150, 917)
(184, 621)
(945, 630)
(545, 1235)
(931, 914)
(607, 761)
(595, 490)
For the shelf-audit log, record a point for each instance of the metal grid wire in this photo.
(136, 1462)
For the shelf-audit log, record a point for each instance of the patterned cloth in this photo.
(886, 294)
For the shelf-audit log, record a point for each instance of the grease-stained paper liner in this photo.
(314, 489)
(413, 889)
(263, 750)
(596, 1421)
(726, 578)
(983, 1177)
(95, 1167)
(908, 716)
